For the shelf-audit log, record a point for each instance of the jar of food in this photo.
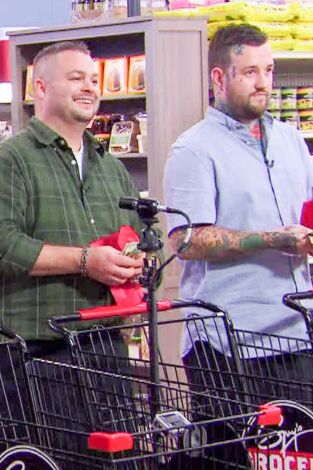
(288, 98)
(275, 101)
(290, 116)
(305, 97)
(306, 119)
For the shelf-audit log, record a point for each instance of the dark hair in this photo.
(229, 36)
(57, 47)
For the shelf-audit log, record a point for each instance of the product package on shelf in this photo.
(115, 76)
(91, 10)
(142, 137)
(123, 138)
(293, 105)
(289, 26)
(100, 66)
(137, 74)
(29, 83)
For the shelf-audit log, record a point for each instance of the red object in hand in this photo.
(307, 214)
(130, 293)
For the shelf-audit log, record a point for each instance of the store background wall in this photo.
(35, 13)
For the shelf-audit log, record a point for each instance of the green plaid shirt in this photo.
(42, 199)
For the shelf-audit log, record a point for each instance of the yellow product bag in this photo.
(303, 45)
(302, 30)
(274, 29)
(282, 44)
(224, 11)
(301, 12)
(268, 12)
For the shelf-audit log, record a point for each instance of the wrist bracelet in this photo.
(83, 262)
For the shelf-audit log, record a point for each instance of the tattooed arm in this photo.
(218, 244)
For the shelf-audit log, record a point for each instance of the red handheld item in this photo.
(130, 293)
(307, 214)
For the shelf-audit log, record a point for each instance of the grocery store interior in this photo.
(152, 60)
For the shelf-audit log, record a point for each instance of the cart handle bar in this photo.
(109, 311)
(292, 300)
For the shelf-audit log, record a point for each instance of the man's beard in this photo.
(245, 112)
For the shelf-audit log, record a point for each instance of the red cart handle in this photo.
(109, 311)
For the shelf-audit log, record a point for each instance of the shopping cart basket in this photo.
(100, 348)
(254, 369)
(68, 416)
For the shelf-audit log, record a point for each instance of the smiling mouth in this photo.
(87, 101)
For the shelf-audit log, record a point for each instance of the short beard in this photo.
(246, 114)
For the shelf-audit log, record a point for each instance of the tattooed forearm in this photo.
(217, 244)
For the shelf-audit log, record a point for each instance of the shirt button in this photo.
(84, 191)
(73, 162)
(92, 221)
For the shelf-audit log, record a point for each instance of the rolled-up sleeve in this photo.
(189, 185)
(18, 250)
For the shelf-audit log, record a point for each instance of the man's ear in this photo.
(217, 78)
(39, 86)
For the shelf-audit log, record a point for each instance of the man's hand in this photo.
(109, 266)
(293, 239)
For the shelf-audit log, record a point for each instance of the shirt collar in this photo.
(46, 136)
(232, 124)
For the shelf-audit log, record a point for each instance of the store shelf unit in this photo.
(295, 69)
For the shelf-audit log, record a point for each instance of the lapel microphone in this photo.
(269, 163)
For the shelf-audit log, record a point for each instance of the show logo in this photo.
(26, 458)
(288, 446)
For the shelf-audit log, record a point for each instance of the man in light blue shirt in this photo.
(242, 177)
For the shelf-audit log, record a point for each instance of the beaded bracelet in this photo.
(83, 262)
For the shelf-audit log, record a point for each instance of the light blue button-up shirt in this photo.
(217, 174)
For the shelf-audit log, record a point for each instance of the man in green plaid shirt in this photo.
(59, 190)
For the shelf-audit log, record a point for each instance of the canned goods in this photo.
(275, 101)
(290, 116)
(305, 98)
(306, 119)
(288, 98)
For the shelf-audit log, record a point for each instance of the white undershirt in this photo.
(79, 157)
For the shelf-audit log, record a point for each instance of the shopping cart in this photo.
(61, 416)
(254, 368)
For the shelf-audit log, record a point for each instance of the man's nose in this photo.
(261, 81)
(89, 84)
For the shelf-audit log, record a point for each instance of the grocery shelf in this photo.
(128, 156)
(307, 134)
(123, 97)
(291, 55)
